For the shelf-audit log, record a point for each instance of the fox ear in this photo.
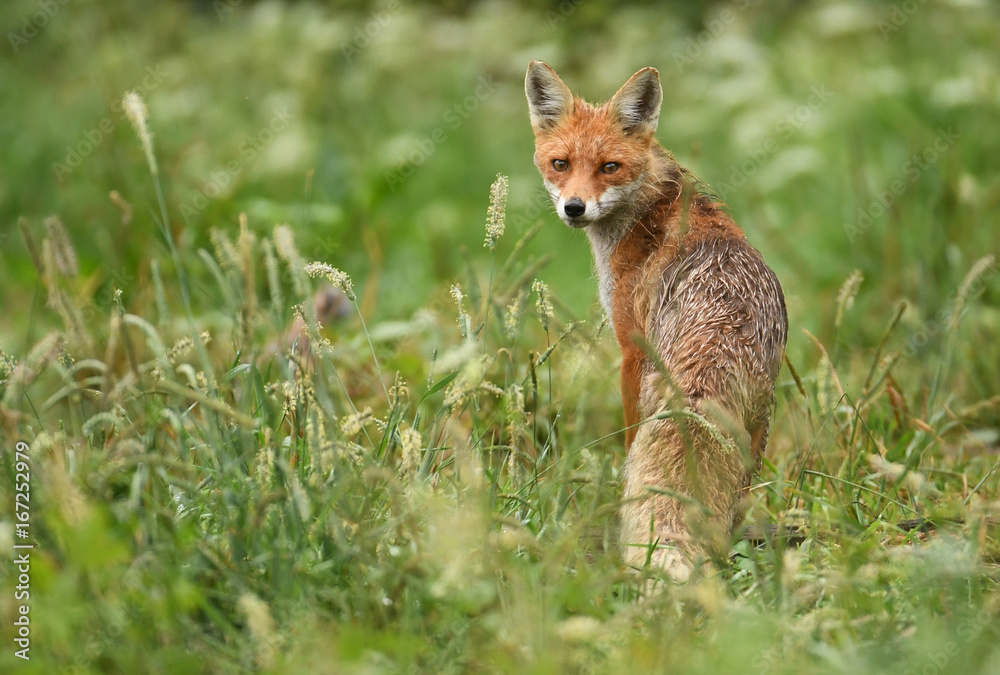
(549, 100)
(637, 103)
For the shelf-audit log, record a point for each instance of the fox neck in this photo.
(638, 227)
(604, 239)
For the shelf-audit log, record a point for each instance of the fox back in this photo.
(698, 314)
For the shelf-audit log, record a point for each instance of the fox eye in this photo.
(609, 167)
(560, 164)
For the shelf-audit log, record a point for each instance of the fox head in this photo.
(592, 158)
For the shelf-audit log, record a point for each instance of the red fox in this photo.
(699, 316)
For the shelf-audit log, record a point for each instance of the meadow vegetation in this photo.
(315, 381)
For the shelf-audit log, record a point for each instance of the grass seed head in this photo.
(353, 424)
(845, 298)
(411, 444)
(543, 302)
(138, 115)
(261, 626)
(335, 276)
(497, 213)
(512, 320)
(464, 320)
(63, 253)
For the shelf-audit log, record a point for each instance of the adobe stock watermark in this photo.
(694, 47)
(22, 551)
(453, 118)
(898, 16)
(104, 299)
(936, 662)
(223, 8)
(32, 24)
(784, 128)
(370, 29)
(908, 175)
(91, 138)
(327, 248)
(97, 643)
(970, 628)
(562, 12)
(248, 150)
(540, 203)
(941, 321)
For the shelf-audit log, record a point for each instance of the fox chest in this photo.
(622, 259)
(603, 248)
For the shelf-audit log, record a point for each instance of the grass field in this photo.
(433, 487)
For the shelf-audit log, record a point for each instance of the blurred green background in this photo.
(400, 114)
(843, 136)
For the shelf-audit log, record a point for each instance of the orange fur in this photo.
(678, 278)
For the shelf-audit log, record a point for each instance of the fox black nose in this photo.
(575, 207)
